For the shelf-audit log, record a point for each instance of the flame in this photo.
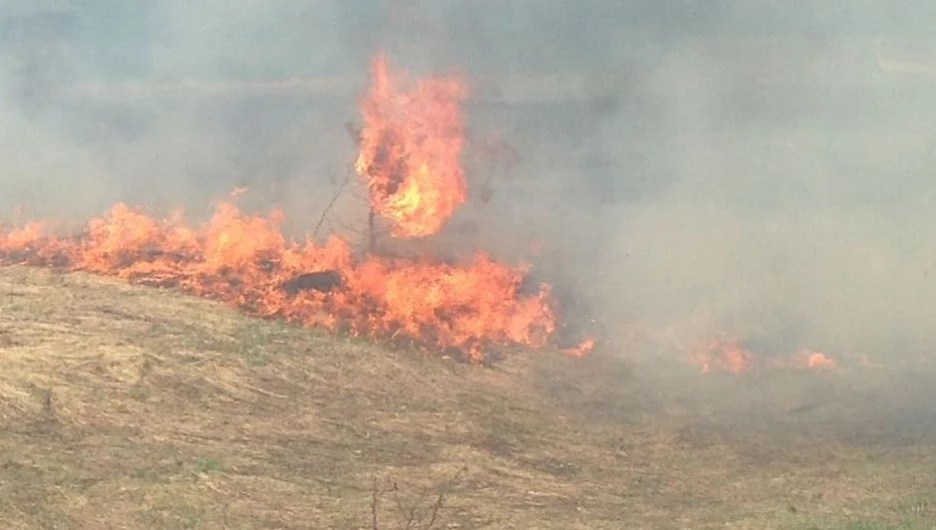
(245, 261)
(410, 150)
(724, 355)
(582, 349)
(812, 359)
(729, 355)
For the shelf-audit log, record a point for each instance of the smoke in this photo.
(793, 177)
(763, 169)
(173, 105)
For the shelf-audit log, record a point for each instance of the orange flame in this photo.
(730, 356)
(410, 153)
(812, 360)
(245, 261)
(724, 355)
(582, 349)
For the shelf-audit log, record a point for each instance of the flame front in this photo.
(410, 153)
(727, 355)
(246, 261)
(724, 356)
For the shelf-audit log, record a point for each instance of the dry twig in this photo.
(334, 198)
(414, 518)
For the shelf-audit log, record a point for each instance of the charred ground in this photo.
(136, 407)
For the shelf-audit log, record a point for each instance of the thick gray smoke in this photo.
(758, 168)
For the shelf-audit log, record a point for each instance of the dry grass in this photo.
(124, 407)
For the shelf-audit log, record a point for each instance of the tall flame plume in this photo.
(411, 145)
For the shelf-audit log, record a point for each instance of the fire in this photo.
(584, 348)
(246, 261)
(812, 359)
(724, 355)
(728, 355)
(410, 150)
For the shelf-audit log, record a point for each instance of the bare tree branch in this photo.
(331, 203)
(440, 499)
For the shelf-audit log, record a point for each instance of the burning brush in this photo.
(410, 148)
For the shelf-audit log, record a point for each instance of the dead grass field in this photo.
(127, 407)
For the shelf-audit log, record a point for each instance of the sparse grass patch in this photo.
(915, 524)
(210, 465)
(258, 338)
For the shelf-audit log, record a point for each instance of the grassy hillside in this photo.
(127, 407)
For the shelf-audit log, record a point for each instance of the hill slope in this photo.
(127, 407)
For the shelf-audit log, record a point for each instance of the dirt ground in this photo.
(127, 407)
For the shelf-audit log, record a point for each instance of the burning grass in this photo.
(246, 262)
(410, 160)
(137, 407)
(724, 355)
(141, 408)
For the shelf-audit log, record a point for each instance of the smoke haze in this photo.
(762, 169)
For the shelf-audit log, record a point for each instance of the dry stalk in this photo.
(371, 232)
(339, 191)
(414, 516)
(375, 497)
